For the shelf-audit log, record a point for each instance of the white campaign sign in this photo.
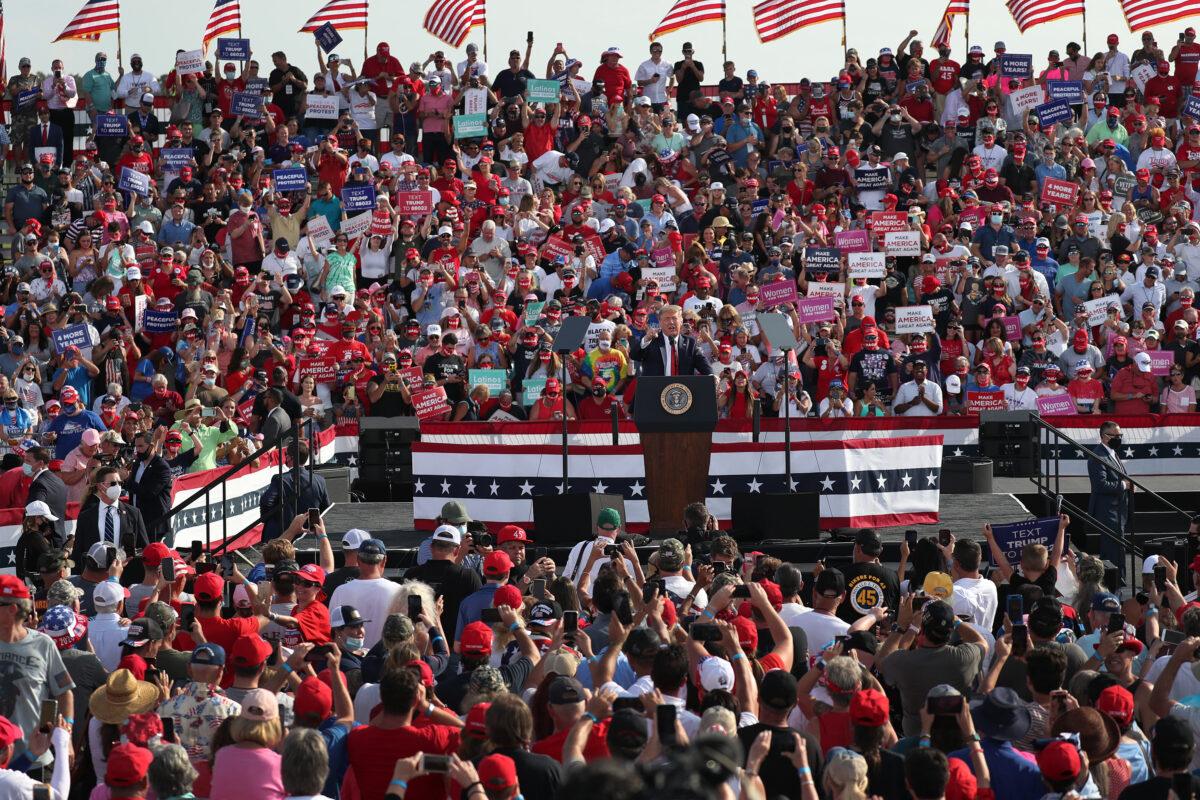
(914, 319)
(835, 290)
(1026, 99)
(357, 226)
(1141, 75)
(867, 265)
(902, 243)
(1097, 310)
(321, 106)
(320, 231)
(189, 62)
(664, 276)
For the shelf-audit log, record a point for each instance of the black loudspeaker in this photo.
(337, 482)
(776, 516)
(565, 519)
(1010, 439)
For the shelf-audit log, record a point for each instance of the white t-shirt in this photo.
(1186, 684)
(681, 587)
(908, 392)
(820, 628)
(580, 554)
(977, 597)
(791, 613)
(373, 598)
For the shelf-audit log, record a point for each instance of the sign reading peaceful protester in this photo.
(355, 227)
(1054, 112)
(1013, 537)
(358, 198)
(71, 336)
(1070, 91)
(866, 265)
(320, 231)
(134, 181)
(112, 125)
(175, 158)
(328, 37)
(246, 104)
(233, 49)
(189, 62)
(914, 319)
(470, 126)
(292, 179)
(543, 91)
(321, 106)
(160, 321)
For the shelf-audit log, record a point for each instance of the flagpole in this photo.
(843, 28)
(239, 19)
(485, 55)
(366, 21)
(724, 43)
(1083, 14)
(120, 60)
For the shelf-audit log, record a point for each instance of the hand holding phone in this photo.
(414, 607)
(664, 723)
(1020, 640)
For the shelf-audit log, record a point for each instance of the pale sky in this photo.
(155, 29)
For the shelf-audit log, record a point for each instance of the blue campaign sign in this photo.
(112, 125)
(293, 179)
(159, 321)
(27, 98)
(1014, 536)
(759, 206)
(327, 37)
(1192, 107)
(174, 158)
(1071, 91)
(1053, 112)
(71, 336)
(246, 104)
(248, 330)
(134, 181)
(233, 49)
(1016, 65)
(358, 198)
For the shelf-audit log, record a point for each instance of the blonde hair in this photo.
(846, 776)
(265, 733)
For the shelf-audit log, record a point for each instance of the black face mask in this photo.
(1115, 442)
(599, 392)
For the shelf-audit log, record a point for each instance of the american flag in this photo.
(941, 37)
(776, 18)
(96, 17)
(1027, 13)
(1148, 13)
(689, 12)
(452, 20)
(3, 50)
(343, 14)
(226, 17)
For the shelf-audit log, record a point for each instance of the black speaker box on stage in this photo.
(564, 519)
(1010, 439)
(758, 516)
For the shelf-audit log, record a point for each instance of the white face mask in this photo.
(604, 344)
(113, 492)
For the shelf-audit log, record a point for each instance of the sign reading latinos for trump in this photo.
(414, 204)
(1016, 65)
(494, 379)
(986, 400)
(134, 181)
(160, 321)
(1054, 112)
(1070, 91)
(292, 179)
(321, 106)
(775, 293)
(430, 404)
(470, 126)
(914, 319)
(71, 336)
(866, 265)
(246, 104)
(902, 243)
(856, 241)
(531, 390)
(1013, 537)
(1051, 404)
(111, 125)
(233, 49)
(358, 198)
(815, 309)
(1026, 99)
(543, 91)
(328, 37)
(189, 62)
(533, 311)
(823, 260)
(1058, 192)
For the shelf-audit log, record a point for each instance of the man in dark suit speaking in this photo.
(669, 352)
(1109, 500)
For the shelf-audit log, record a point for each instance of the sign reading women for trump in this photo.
(1013, 537)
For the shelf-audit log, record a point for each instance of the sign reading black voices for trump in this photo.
(1012, 537)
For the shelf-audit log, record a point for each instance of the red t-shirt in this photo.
(1186, 62)
(943, 75)
(135, 664)
(373, 752)
(225, 632)
(595, 747)
(314, 622)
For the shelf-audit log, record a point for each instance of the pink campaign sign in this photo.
(853, 241)
(815, 309)
(1160, 361)
(1012, 328)
(777, 293)
(1055, 404)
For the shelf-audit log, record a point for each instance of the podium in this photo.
(675, 417)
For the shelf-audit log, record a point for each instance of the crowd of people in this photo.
(211, 259)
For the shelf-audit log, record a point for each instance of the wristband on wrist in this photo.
(736, 656)
(400, 783)
(913, 629)
(708, 614)
(974, 737)
(69, 720)
(803, 771)
(286, 667)
(516, 626)
(589, 715)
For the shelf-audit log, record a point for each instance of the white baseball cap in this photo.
(1143, 362)
(447, 533)
(352, 538)
(108, 593)
(38, 508)
(716, 673)
(953, 384)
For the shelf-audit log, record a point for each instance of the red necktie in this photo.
(674, 357)
(45, 134)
